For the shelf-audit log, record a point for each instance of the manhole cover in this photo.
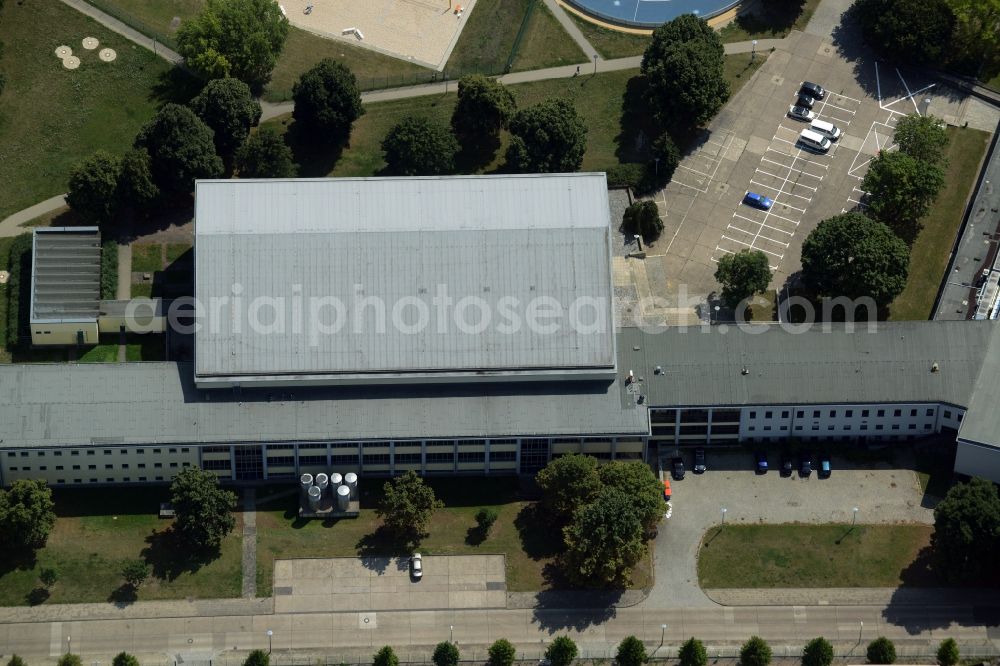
(367, 621)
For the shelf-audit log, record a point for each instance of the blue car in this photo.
(757, 201)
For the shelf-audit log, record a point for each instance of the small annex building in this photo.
(65, 285)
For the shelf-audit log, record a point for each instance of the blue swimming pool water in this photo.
(650, 13)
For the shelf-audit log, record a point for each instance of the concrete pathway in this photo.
(571, 28)
(124, 289)
(11, 225)
(249, 543)
(113, 24)
(853, 596)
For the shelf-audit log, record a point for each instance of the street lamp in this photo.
(595, 63)
(855, 519)
(269, 634)
(663, 632)
(753, 50)
(451, 633)
(69, 644)
(860, 629)
(724, 511)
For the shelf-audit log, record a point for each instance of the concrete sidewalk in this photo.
(852, 596)
(11, 225)
(113, 24)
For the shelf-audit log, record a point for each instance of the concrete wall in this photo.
(978, 460)
(63, 334)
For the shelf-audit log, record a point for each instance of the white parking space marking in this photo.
(775, 189)
(783, 231)
(712, 162)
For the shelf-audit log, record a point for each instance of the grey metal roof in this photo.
(66, 274)
(403, 241)
(704, 366)
(139, 403)
(982, 419)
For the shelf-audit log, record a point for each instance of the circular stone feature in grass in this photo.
(63, 52)
(107, 55)
(90, 43)
(71, 62)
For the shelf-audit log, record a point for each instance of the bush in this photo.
(501, 653)
(643, 218)
(124, 659)
(48, 576)
(69, 659)
(631, 652)
(327, 101)
(485, 518)
(419, 147)
(18, 290)
(947, 654)
(265, 155)
(135, 572)
(693, 653)
(881, 651)
(628, 174)
(561, 652)
(818, 652)
(93, 188)
(755, 652)
(15, 661)
(109, 270)
(257, 658)
(445, 654)
(664, 159)
(385, 657)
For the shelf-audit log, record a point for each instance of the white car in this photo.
(416, 566)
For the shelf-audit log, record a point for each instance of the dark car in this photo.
(805, 464)
(812, 89)
(824, 466)
(699, 461)
(760, 459)
(786, 464)
(677, 469)
(805, 100)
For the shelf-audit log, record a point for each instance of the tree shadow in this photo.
(636, 128)
(476, 535)
(169, 556)
(176, 86)
(377, 548)
(597, 607)
(776, 17)
(315, 157)
(539, 540)
(476, 155)
(37, 596)
(124, 595)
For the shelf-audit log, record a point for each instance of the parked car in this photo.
(677, 468)
(757, 200)
(805, 464)
(416, 566)
(812, 89)
(824, 466)
(801, 113)
(805, 100)
(786, 464)
(666, 490)
(699, 461)
(760, 458)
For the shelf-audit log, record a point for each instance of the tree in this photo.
(604, 540)
(27, 514)
(502, 653)
(853, 256)
(135, 572)
(48, 576)
(257, 658)
(484, 107)
(755, 652)
(181, 149)
(976, 33)
(239, 38)
(665, 158)
(967, 531)
(229, 109)
(947, 654)
(631, 652)
(567, 482)
(265, 155)
(385, 657)
(327, 101)
(683, 29)
(485, 518)
(124, 659)
(638, 482)
(69, 659)
(901, 188)
(881, 651)
(407, 504)
(15, 661)
(445, 654)
(419, 147)
(203, 508)
(693, 653)
(547, 138)
(914, 32)
(93, 188)
(921, 137)
(742, 275)
(643, 218)
(818, 652)
(561, 651)
(135, 182)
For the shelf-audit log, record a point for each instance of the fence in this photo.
(520, 35)
(135, 23)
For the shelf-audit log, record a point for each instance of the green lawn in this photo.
(153, 18)
(932, 248)
(546, 44)
(96, 530)
(611, 43)
(148, 347)
(147, 257)
(530, 546)
(103, 352)
(51, 117)
(769, 20)
(793, 555)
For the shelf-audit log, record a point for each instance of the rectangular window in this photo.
(947, 413)
(140, 452)
(74, 453)
(126, 479)
(897, 412)
(122, 451)
(930, 411)
(172, 450)
(57, 453)
(815, 427)
(109, 467)
(110, 480)
(815, 413)
(407, 458)
(13, 469)
(58, 467)
(503, 456)
(107, 452)
(11, 454)
(798, 427)
(24, 454)
(784, 427)
(912, 426)
(768, 415)
(830, 427)
(142, 465)
(881, 412)
(185, 450)
(91, 466)
(124, 465)
(214, 449)
(752, 428)
(173, 465)
(41, 454)
(76, 467)
(157, 450)
(376, 459)
(93, 480)
(345, 460)
(879, 426)
(60, 480)
(281, 461)
(927, 426)
(213, 465)
(159, 478)
(312, 460)
(157, 465)
(272, 447)
(90, 452)
(471, 456)
(142, 478)
(440, 457)
(753, 414)
(864, 413)
(784, 414)
(767, 427)
(864, 426)
(833, 413)
(913, 412)
(849, 413)
(895, 426)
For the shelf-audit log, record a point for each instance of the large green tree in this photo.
(484, 107)
(228, 107)
(901, 189)
(636, 479)
(416, 146)
(445, 654)
(881, 651)
(204, 510)
(502, 653)
(93, 188)
(567, 483)
(561, 651)
(547, 138)
(407, 504)
(643, 218)
(385, 657)
(603, 541)
(742, 275)
(692, 653)
(631, 652)
(238, 38)
(921, 137)
(947, 653)
(755, 652)
(913, 32)
(124, 659)
(818, 652)
(27, 514)
(265, 155)
(327, 101)
(181, 149)
(976, 32)
(135, 182)
(967, 531)
(851, 255)
(257, 658)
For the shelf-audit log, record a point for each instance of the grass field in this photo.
(154, 19)
(770, 20)
(932, 248)
(611, 43)
(546, 44)
(96, 530)
(529, 545)
(51, 117)
(795, 555)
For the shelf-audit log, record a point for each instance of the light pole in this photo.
(269, 634)
(663, 633)
(69, 644)
(855, 519)
(656, 166)
(724, 511)
(595, 63)
(451, 633)
(753, 50)
(860, 629)
(717, 308)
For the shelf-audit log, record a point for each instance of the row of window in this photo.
(91, 452)
(124, 466)
(849, 413)
(848, 427)
(109, 480)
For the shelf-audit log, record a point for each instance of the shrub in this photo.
(755, 652)
(643, 218)
(501, 653)
(385, 657)
(692, 653)
(818, 652)
(109, 270)
(628, 174)
(15, 661)
(69, 659)
(445, 654)
(48, 576)
(881, 651)
(561, 652)
(631, 652)
(124, 659)
(485, 518)
(947, 654)
(257, 658)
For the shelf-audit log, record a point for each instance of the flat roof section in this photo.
(397, 280)
(66, 274)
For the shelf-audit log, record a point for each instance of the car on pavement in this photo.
(805, 464)
(760, 459)
(786, 464)
(805, 100)
(666, 490)
(699, 461)
(801, 113)
(812, 89)
(677, 468)
(757, 200)
(824, 466)
(416, 566)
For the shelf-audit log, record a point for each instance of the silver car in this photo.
(416, 566)
(801, 113)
